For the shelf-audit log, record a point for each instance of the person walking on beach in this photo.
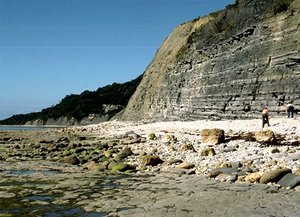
(290, 110)
(265, 116)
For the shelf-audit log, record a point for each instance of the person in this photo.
(265, 116)
(290, 109)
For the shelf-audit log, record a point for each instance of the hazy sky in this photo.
(52, 48)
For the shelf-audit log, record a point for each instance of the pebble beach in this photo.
(152, 169)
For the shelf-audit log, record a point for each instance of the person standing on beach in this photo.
(290, 110)
(265, 116)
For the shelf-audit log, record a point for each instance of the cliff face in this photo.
(228, 64)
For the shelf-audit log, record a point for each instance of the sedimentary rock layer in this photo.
(228, 64)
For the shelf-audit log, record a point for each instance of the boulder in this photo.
(229, 171)
(93, 166)
(274, 175)
(151, 160)
(289, 180)
(186, 165)
(70, 160)
(265, 137)
(187, 147)
(174, 161)
(212, 136)
(126, 151)
(253, 177)
(297, 172)
(122, 167)
(223, 177)
(151, 136)
(207, 152)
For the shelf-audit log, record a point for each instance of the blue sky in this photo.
(52, 48)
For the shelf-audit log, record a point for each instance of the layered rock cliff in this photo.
(225, 65)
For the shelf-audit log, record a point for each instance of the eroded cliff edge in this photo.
(227, 64)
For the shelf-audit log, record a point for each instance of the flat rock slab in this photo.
(161, 194)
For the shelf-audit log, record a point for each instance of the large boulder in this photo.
(265, 137)
(274, 175)
(289, 180)
(212, 136)
(151, 160)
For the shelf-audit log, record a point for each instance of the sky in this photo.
(53, 48)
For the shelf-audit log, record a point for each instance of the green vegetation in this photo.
(280, 6)
(80, 106)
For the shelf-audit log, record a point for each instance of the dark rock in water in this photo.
(274, 175)
(289, 180)
(70, 160)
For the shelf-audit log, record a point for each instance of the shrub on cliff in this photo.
(280, 6)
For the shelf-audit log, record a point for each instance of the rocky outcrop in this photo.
(225, 65)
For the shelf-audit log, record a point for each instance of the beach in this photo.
(172, 171)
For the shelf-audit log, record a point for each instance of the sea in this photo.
(18, 127)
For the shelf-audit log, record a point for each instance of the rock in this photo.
(171, 148)
(223, 177)
(93, 166)
(122, 167)
(223, 164)
(270, 163)
(151, 160)
(297, 172)
(274, 150)
(265, 137)
(111, 164)
(70, 160)
(214, 173)
(173, 161)
(151, 136)
(107, 153)
(169, 139)
(186, 165)
(212, 136)
(253, 177)
(119, 157)
(187, 147)
(228, 170)
(289, 180)
(274, 175)
(126, 152)
(235, 164)
(129, 141)
(207, 152)
(231, 171)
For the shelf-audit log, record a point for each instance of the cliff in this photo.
(225, 65)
